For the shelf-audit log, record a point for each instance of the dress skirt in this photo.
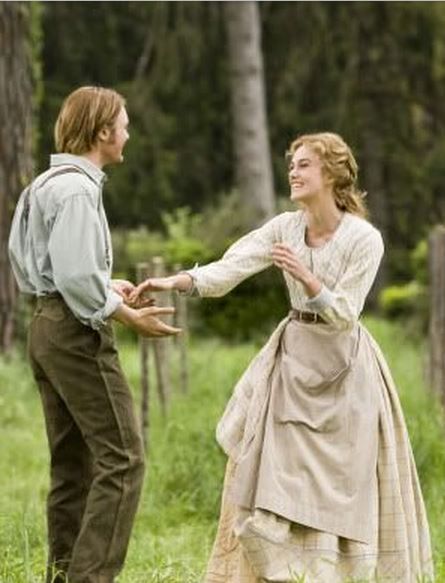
(321, 484)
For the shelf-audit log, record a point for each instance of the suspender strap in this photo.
(58, 172)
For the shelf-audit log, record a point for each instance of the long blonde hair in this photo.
(339, 165)
(84, 113)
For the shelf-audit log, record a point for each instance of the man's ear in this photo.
(104, 134)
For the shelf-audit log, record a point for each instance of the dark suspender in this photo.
(27, 197)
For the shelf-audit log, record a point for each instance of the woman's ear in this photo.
(327, 177)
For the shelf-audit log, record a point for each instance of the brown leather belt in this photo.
(307, 317)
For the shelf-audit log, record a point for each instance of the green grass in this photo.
(177, 517)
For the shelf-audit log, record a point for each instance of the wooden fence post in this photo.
(160, 348)
(182, 339)
(160, 345)
(142, 272)
(436, 257)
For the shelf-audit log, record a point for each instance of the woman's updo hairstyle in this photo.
(339, 165)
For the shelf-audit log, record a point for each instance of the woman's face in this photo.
(306, 176)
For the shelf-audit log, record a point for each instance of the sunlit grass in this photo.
(177, 517)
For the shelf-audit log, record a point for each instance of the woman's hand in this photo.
(181, 282)
(284, 258)
(125, 289)
(122, 287)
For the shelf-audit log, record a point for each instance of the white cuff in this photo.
(324, 299)
(98, 319)
(193, 290)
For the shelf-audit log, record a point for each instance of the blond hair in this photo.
(339, 165)
(84, 113)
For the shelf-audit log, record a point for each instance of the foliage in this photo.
(410, 300)
(249, 311)
(183, 246)
(173, 73)
(419, 262)
(380, 85)
(224, 220)
(399, 300)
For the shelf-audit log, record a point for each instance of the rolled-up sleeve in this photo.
(77, 250)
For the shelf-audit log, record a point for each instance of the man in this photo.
(63, 256)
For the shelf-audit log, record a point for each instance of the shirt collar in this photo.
(95, 173)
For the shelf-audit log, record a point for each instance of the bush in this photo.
(250, 310)
(399, 300)
(184, 246)
(410, 300)
(179, 244)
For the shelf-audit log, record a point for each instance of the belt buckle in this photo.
(314, 317)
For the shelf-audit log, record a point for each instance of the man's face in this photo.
(112, 147)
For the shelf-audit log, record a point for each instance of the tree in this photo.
(174, 77)
(252, 151)
(372, 71)
(16, 98)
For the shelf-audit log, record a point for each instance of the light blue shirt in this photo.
(66, 246)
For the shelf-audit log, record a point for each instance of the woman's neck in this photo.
(322, 220)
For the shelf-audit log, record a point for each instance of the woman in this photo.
(320, 484)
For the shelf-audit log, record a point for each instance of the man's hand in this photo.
(145, 321)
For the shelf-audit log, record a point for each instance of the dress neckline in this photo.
(330, 240)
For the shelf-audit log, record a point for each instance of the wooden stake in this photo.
(437, 311)
(182, 339)
(142, 272)
(161, 345)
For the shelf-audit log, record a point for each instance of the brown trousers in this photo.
(97, 460)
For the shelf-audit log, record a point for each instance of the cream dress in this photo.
(321, 484)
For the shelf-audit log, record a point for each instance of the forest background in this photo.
(372, 71)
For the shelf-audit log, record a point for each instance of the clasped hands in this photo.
(140, 313)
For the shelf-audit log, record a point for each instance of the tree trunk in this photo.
(251, 143)
(16, 92)
(436, 362)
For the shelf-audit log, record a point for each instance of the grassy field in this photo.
(178, 513)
